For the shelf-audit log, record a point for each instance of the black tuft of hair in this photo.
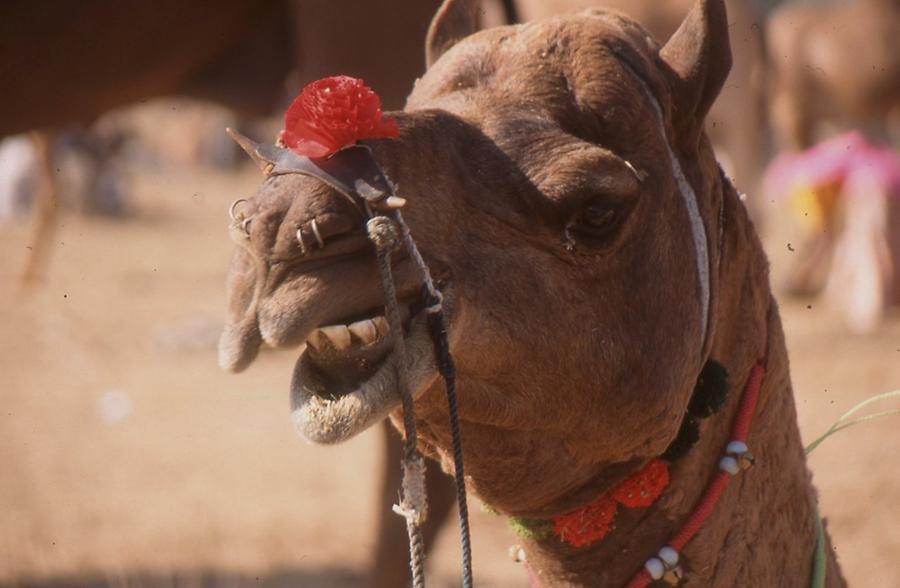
(709, 396)
(710, 391)
(688, 435)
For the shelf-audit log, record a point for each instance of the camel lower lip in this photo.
(333, 416)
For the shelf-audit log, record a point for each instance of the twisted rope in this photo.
(447, 370)
(386, 229)
(413, 505)
(438, 330)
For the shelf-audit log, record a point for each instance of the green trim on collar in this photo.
(531, 528)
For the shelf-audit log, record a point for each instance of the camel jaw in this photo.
(329, 408)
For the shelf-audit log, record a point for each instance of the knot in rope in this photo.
(414, 506)
(383, 233)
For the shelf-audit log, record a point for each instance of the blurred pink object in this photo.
(846, 192)
(848, 159)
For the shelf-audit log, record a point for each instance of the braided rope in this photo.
(413, 506)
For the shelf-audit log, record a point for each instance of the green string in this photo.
(818, 577)
(843, 422)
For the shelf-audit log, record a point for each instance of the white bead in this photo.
(729, 464)
(736, 448)
(669, 556)
(655, 568)
(516, 553)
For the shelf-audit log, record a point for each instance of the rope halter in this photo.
(354, 173)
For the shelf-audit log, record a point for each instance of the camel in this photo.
(815, 80)
(592, 259)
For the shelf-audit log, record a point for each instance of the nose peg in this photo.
(317, 234)
(315, 230)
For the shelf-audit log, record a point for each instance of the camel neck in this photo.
(763, 528)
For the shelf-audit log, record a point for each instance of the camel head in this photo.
(560, 188)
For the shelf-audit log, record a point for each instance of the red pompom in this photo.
(641, 489)
(588, 524)
(332, 113)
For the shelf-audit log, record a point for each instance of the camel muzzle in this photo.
(354, 173)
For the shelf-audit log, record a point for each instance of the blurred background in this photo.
(128, 459)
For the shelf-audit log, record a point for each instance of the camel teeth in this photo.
(316, 340)
(381, 325)
(365, 331)
(338, 335)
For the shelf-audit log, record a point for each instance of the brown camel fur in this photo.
(735, 123)
(542, 194)
(834, 63)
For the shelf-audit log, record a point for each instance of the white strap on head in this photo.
(698, 229)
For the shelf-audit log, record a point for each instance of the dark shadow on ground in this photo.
(321, 578)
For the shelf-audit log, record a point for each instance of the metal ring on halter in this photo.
(299, 233)
(245, 225)
(315, 230)
(233, 206)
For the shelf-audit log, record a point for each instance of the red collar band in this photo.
(593, 521)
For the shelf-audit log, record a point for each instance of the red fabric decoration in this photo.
(640, 490)
(588, 524)
(332, 113)
(594, 521)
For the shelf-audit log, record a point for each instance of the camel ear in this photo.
(455, 20)
(699, 55)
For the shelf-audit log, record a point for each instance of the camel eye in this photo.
(598, 216)
(596, 221)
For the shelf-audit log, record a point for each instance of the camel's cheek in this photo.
(534, 348)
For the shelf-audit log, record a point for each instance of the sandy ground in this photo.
(128, 459)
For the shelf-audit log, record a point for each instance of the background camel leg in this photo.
(46, 205)
(792, 125)
(390, 569)
(810, 271)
